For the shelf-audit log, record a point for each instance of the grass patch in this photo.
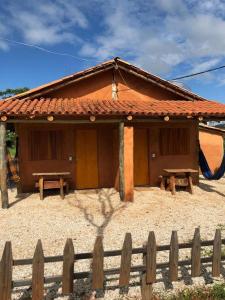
(214, 292)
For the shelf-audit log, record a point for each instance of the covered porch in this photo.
(121, 153)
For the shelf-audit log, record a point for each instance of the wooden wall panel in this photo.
(105, 157)
(141, 157)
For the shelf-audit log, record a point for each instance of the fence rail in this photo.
(97, 272)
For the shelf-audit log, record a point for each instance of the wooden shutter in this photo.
(46, 145)
(174, 141)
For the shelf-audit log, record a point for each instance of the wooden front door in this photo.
(86, 159)
(106, 157)
(141, 157)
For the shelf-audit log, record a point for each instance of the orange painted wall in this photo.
(100, 87)
(135, 88)
(212, 146)
(128, 163)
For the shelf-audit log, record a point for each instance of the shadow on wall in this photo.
(107, 208)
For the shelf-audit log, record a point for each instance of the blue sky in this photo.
(166, 37)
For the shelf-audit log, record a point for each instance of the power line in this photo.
(90, 59)
(199, 73)
(48, 51)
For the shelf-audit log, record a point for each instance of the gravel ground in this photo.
(83, 215)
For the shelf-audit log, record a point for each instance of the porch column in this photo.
(126, 181)
(3, 166)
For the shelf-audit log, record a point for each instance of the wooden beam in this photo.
(68, 121)
(126, 169)
(99, 121)
(3, 166)
(121, 160)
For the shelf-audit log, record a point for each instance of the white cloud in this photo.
(45, 22)
(158, 35)
(205, 65)
(3, 32)
(162, 34)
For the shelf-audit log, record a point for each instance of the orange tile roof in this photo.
(66, 107)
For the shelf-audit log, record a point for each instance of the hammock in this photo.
(12, 168)
(206, 172)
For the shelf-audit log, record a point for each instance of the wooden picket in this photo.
(196, 255)
(38, 273)
(97, 265)
(151, 258)
(216, 263)
(97, 272)
(173, 257)
(125, 261)
(6, 272)
(68, 267)
(146, 287)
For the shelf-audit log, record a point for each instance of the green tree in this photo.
(10, 134)
(11, 92)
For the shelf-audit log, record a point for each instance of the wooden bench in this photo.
(51, 181)
(177, 177)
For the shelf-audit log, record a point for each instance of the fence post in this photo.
(68, 267)
(38, 273)
(146, 288)
(98, 264)
(125, 261)
(216, 263)
(196, 254)
(151, 258)
(6, 272)
(173, 257)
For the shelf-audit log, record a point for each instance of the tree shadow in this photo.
(108, 209)
(19, 198)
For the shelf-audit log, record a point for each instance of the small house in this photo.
(112, 125)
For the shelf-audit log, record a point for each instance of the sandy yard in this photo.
(83, 215)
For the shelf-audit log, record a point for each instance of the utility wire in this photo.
(48, 51)
(198, 73)
(90, 59)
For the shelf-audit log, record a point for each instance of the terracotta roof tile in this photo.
(81, 107)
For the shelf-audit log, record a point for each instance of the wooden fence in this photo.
(147, 269)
